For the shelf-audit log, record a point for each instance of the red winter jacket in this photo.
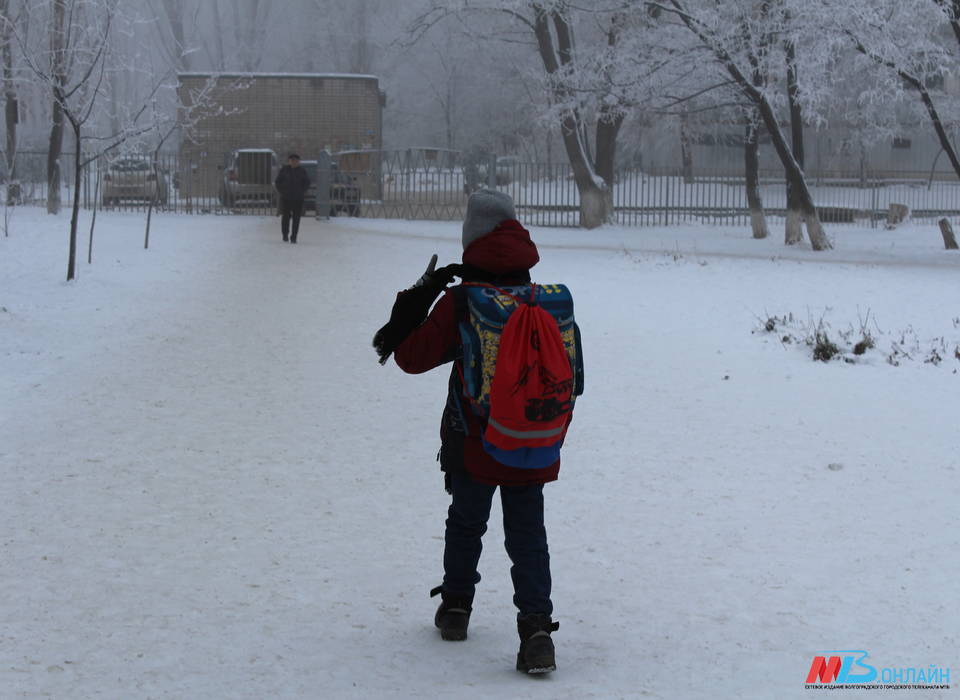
(507, 253)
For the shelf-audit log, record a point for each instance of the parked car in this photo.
(476, 170)
(344, 194)
(248, 176)
(508, 169)
(134, 179)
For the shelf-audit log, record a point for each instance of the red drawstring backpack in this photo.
(522, 369)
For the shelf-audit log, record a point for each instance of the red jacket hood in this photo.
(508, 248)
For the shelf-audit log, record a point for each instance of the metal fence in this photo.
(420, 186)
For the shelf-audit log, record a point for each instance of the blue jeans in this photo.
(524, 534)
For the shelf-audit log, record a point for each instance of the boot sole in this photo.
(540, 666)
(453, 635)
(540, 670)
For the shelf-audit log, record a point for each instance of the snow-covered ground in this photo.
(210, 488)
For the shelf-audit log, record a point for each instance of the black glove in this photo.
(412, 306)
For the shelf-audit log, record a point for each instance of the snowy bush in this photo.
(854, 343)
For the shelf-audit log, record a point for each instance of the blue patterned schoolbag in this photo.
(532, 439)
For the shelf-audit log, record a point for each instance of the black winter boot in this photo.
(453, 615)
(536, 653)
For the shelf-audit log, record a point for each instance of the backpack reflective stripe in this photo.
(553, 432)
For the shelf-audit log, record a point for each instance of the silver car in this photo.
(248, 176)
(134, 179)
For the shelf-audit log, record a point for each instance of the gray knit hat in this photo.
(485, 209)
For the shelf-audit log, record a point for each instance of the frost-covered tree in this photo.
(235, 32)
(12, 15)
(74, 72)
(351, 36)
(580, 71)
(75, 69)
(176, 25)
(737, 36)
(909, 46)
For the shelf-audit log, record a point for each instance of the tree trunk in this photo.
(793, 228)
(240, 47)
(75, 215)
(361, 51)
(938, 127)
(949, 240)
(954, 15)
(11, 108)
(596, 201)
(751, 142)
(12, 117)
(808, 211)
(751, 158)
(686, 150)
(608, 128)
(174, 12)
(156, 192)
(595, 198)
(58, 58)
(609, 122)
(146, 233)
(863, 161)
(53, 161)
(818, 237)
(447, 107)
(594, 206)
(220, 58)
(93, 218)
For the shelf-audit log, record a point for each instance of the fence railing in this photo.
(544, 194)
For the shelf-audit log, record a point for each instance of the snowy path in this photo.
(211, 489)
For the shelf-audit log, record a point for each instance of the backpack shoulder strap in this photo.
(459, 294)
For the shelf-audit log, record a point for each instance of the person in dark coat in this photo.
(292, 184)
(497, 250)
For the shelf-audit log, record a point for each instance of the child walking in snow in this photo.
(497, 252)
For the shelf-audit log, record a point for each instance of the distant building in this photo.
(838, 149)
(286, 112)
(835, 152)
